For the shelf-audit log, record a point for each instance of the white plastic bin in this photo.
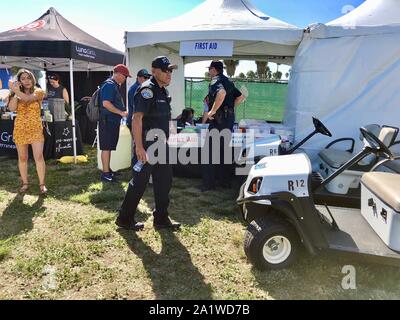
(122, 157)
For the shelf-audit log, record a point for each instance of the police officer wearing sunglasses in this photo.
(152, 111)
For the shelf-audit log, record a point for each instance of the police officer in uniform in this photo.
(223, 98)
(152, 111)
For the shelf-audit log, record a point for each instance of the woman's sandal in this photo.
(43, 189)
(24, 188)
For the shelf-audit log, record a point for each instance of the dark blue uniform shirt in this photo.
(131, 102)
(155, 103)
(225, 116)
(232, 93)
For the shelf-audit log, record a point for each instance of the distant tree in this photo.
(277, 75)
(262, 69)
(287, 74)
(230, 66)
(242, 76)
(251, 74)
(269, 75)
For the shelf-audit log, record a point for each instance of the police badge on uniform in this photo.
(147, 94)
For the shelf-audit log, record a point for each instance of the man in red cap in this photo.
(112, 109)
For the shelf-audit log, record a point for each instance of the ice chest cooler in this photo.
(57, 109)
(380, 205)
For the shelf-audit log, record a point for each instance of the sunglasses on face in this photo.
(167, 71)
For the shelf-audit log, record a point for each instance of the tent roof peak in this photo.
(220, 15)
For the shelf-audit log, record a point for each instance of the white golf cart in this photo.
(345, 189)
(277, 201)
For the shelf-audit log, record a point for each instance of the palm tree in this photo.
(241, 75)
(277, 75)
(289, 73)
(262, 69)
(251, 74)
(231, 67)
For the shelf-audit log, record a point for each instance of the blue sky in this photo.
(107, 20)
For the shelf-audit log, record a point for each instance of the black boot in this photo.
(165, 223)
(128, 224)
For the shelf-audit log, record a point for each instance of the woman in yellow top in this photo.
(26, 99)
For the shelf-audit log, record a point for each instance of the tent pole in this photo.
(127, 84)
(72, 102)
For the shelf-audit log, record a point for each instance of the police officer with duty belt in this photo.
(223, 97)
(152, 111)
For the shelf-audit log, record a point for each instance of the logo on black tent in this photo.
(32, 26)
(85, 52)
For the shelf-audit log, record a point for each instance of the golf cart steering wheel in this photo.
(320, 127)
(375, 143)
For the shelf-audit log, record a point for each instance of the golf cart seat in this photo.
(385, 186)
(335, 158)
(394, 165)
(332, 159)
(380, 205)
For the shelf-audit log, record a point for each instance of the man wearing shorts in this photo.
(112, 109)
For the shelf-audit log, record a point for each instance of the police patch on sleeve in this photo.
(147, 94)
(213, 81)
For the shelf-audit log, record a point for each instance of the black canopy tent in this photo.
(52, 43)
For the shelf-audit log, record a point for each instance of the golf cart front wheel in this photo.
(271, 244)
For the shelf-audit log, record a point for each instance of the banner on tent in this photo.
(215, 48)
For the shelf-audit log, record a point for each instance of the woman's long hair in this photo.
(31, 76)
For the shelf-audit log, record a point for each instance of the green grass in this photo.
(69, 240)
(266, 101)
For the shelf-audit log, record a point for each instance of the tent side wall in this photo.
(347, 82)
(142, 57)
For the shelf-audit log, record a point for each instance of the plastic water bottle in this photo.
(45, 105)
(138, 166)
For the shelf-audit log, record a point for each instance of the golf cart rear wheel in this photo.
(271, 244)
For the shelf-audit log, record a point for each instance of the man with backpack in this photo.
(111, 110)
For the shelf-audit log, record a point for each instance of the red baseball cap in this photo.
(122, 69)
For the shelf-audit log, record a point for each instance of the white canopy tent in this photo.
(347, 73)
(255, 36)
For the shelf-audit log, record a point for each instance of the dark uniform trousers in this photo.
(162, 183)
(225, 119)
